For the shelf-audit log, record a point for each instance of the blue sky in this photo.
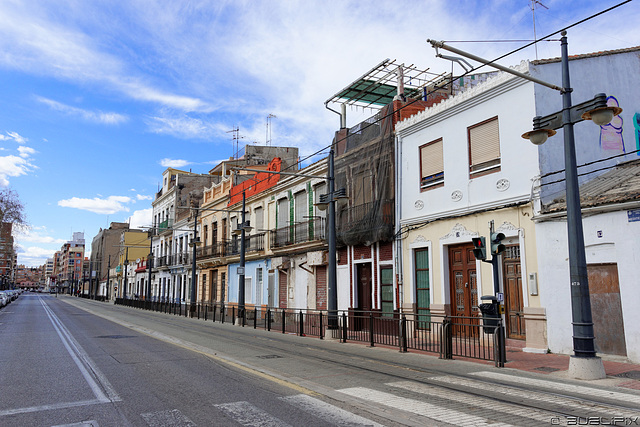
(99, 97)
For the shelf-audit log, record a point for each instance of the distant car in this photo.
(4, 299)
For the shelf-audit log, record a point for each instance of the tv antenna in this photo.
(268, 136)
(235, 141)
(534, 4)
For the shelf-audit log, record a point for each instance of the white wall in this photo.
(512, 101)
(615, 246)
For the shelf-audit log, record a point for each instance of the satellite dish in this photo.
(138, 261)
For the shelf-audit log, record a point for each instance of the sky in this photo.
(100, 97)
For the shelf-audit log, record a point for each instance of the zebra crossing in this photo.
(429, 403)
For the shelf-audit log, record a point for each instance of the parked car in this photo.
(4, 299)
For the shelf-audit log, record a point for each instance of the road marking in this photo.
(169, 418)
(571, 388)
(476, 401)
(79, 356)
(549, 398)
(330, 413)
(248, 415)
(55, 406)
(90, 423)
(418, 407)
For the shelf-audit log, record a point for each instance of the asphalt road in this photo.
(67, 361)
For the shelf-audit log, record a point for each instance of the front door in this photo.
(363, 295)
(464, 292)
(513, 292)
(606, 309)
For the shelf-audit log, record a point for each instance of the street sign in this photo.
(500, 296)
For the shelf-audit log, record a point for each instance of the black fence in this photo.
(447, 336)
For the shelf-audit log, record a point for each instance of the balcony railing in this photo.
(253, 243)
(165, 225)
(306, 231)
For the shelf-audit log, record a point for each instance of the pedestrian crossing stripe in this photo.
(476, 401)
(418, 407)
(249, 415)
(554, 385)
(529, 395)
(327, 412)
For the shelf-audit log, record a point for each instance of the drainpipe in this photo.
(398, 192)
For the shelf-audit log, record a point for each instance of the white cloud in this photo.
(174, 163)
(13, 166)
(143, 197)
(108, 206)
(36, 235)
(91, 116)
(141, 218)
(16, 137)
(184, 127)
(25, 152)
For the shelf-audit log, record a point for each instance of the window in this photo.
(300, 202)
(386, 294)
(431, 164)
(259, 214)
(484, 147)
(422, 288)
(283, 212)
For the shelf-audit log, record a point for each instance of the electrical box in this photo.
(533, 283)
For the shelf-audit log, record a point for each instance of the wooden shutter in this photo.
(484, 145)
(431, 162)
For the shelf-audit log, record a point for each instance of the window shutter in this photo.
(484, 141)
(432, 161)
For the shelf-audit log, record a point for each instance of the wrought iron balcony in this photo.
(306, 231)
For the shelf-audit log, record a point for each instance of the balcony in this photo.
(253, 243)
(368, 222)
(301, 232)
(165, 225)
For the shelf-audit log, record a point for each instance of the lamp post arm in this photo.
(440, 44)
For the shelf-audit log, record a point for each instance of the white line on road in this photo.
(330, 413)
(418, 407)
(81, 358)
(248, 415)
(554, 385)
(511, 392)
(476, 401)
(64, 405)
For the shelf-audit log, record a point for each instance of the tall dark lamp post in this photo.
(243, 227)
(149, 266)
(584, 364)
(194, 243)
(328, 201)
(126, 264)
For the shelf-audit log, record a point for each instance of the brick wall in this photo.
(361, 252)
(282, 289)
(386, 251)
(321, 287)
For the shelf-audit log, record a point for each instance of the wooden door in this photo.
(363, 300)
(463, 288)
(512, 273)
(462, 268)
(606, 309)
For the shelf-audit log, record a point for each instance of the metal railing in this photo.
(300, 232)
(448, 336)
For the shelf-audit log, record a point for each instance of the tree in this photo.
(11, 208)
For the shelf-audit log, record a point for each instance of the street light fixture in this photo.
(584, 364)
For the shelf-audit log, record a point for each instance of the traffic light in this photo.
(496, 246)
(480, 248)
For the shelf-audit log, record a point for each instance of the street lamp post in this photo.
(241, 295)
(126, 264)
(149, 265)
(328, 201)
(584, 364)
(194, 242)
